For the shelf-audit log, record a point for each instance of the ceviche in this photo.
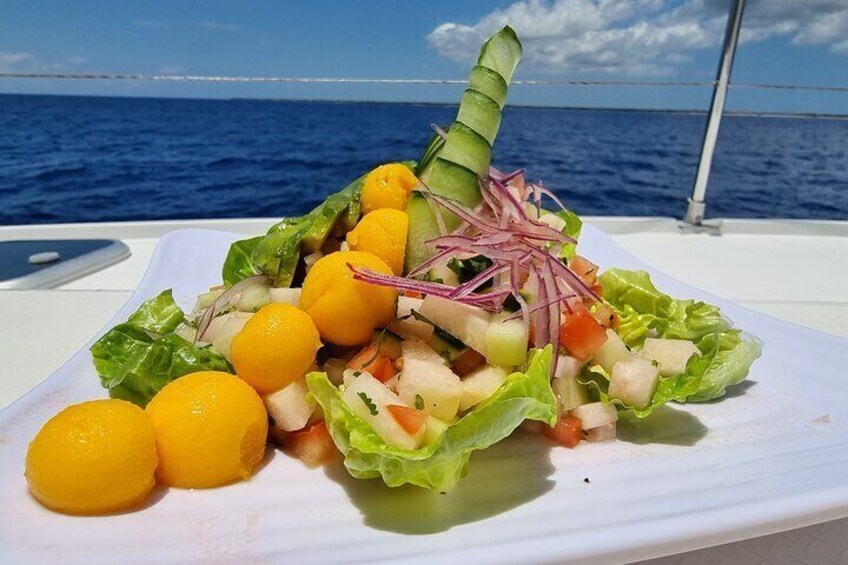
(422, 313)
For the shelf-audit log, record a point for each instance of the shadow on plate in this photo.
(666, 425)
(505, 476)
(735, 390)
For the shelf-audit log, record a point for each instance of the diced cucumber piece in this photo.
(466, 323)
(570, 393)
(481, 114)
(368, 398)
(611, 352)
(480, 385)
(672, 354)
(285, 295)
(254, 297)
(595, 415)
(467, 148)
(433, 429)
(634, 381)
(488, 82)
(291, 407)
(506, 342)
(437, 386)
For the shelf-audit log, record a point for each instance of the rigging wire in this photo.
(413, 81)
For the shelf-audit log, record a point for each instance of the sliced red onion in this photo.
(475, 283)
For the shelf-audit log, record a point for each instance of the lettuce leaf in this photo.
(573, 227)
(441, 464)
(726, 353)
(134, 360)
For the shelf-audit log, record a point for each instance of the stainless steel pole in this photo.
(695, 211)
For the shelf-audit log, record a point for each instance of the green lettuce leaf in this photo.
(158, 315)
(441, 464)
(239, 262)
(134, 360)
(573, 227)
(726, 353)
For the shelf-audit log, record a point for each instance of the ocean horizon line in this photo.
(691, 111)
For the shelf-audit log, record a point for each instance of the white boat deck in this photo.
(795, 270)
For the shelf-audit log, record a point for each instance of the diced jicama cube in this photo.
(480, 385)
(611, 352)
(568, 366)
(506, 342)
(406, 305)
(671, 354)
(634, 381)
(466, 323)
(289, 407)
(595, 415)
(231, 326)
(570, 393)
(601, 433)
(415, 349)
(285, 295)
(430, 386)
(368, 398)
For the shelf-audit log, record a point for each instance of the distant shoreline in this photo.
(685, 111)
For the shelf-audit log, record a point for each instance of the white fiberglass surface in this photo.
(771, 455)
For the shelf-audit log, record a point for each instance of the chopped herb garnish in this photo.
(368, 402)
(419, 402)
(357, 373)
(467, 269)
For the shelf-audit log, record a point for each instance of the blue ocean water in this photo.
(77, 159)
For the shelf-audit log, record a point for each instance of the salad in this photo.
(424, 312)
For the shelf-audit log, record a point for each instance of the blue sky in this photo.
(785, 41)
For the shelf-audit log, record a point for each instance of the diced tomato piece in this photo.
(408, 418)
(467, 361)
(413, 294)
(313, 446)
(605, 315)
(585, 269)
(568, 431)
(380, 366)
(581, 334)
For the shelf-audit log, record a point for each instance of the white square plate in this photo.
(770, 456)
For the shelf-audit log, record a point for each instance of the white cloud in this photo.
(22, 62)
(639, 37)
